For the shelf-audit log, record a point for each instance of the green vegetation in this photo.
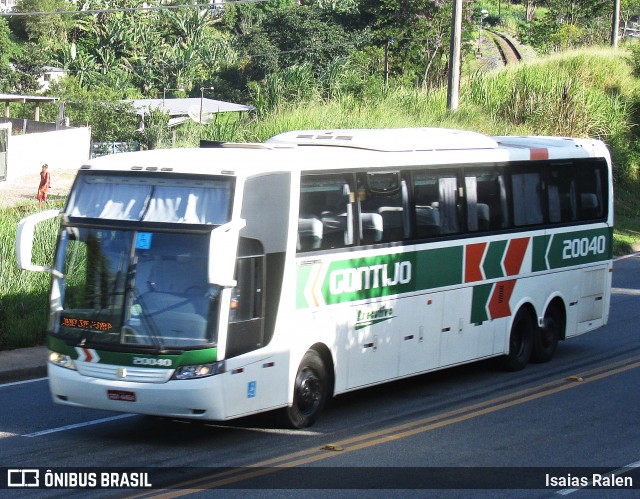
(581, 93)
(24, 294)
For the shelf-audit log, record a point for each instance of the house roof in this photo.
(183, 107)
(26, 98)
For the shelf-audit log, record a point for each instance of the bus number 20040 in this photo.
(575, 248)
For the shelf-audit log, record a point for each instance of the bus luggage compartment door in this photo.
(591, 304)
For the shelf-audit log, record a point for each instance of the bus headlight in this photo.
(199, 371)
(62, 360)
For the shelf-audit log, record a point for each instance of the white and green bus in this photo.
(219, 282)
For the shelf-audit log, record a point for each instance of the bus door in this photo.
(255, 377)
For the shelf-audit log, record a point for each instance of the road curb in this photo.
(23, 363)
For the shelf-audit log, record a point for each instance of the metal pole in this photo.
(453, 89)
(201, 99)
(386, 63)
(615, 23)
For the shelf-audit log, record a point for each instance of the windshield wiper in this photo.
(150, 326)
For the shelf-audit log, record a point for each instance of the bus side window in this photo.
(487, 207)
(325, 219)
(527, 198)
(435, 200)
(592, 182)
(383, 201)
(562, 201)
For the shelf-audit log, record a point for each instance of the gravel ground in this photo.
(24, 189)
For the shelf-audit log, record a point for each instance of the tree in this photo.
(46, 30)
(305, 35)
(6, 49)
(28, 66)
(417, 35)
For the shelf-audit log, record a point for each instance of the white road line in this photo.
(13, 383)
(275, 431)
(620, 471)
(625, 291)
(624, 257)
(78, 425)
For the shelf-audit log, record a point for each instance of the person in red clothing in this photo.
(45, 183)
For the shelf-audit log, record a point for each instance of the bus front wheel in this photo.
(310, 391)
(520, 341)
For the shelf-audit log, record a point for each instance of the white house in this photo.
(49, 74)
(7, 5)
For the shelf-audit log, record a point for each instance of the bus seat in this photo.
(427, 221)
(589, 207)
(336, 231)
(310, 231)
(372, 227)
(392, 222)
(484, 219)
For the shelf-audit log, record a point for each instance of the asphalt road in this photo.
(525, 434)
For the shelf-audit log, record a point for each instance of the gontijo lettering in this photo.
(370, 277)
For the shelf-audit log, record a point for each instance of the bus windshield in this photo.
(139, 288)
(145, 198)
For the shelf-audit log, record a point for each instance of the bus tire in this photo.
(310, 391)
(546, 337)
(520, 341)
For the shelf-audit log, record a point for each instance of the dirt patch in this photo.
(24, 189)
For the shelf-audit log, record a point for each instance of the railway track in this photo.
(508, 51)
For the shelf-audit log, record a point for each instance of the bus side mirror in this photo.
(223, 248)
(24, 239)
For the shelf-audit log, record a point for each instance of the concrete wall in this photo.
(61, 150)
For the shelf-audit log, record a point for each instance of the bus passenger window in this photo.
(383, 199)
(592, 185)
(486, 201)
(325, 219)
(527, 198)
(436, 204)
(563, 205)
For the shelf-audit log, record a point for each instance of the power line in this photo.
(126, 9)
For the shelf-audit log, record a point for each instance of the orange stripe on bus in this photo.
(538, 153)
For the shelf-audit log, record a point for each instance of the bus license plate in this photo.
(121, 395)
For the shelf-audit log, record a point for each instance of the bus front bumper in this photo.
(193, 398)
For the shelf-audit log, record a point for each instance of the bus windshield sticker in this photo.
(143, 240)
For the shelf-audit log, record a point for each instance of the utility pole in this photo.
(453, 89)
(615, 23)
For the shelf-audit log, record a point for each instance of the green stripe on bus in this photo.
(539, 257)
(479, 300)
(186, 358)
(492, 265)
(440, 267)
(415, 271)
(578, 248)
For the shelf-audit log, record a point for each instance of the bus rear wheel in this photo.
(310, 391)
(520, 341)
(547, 337)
